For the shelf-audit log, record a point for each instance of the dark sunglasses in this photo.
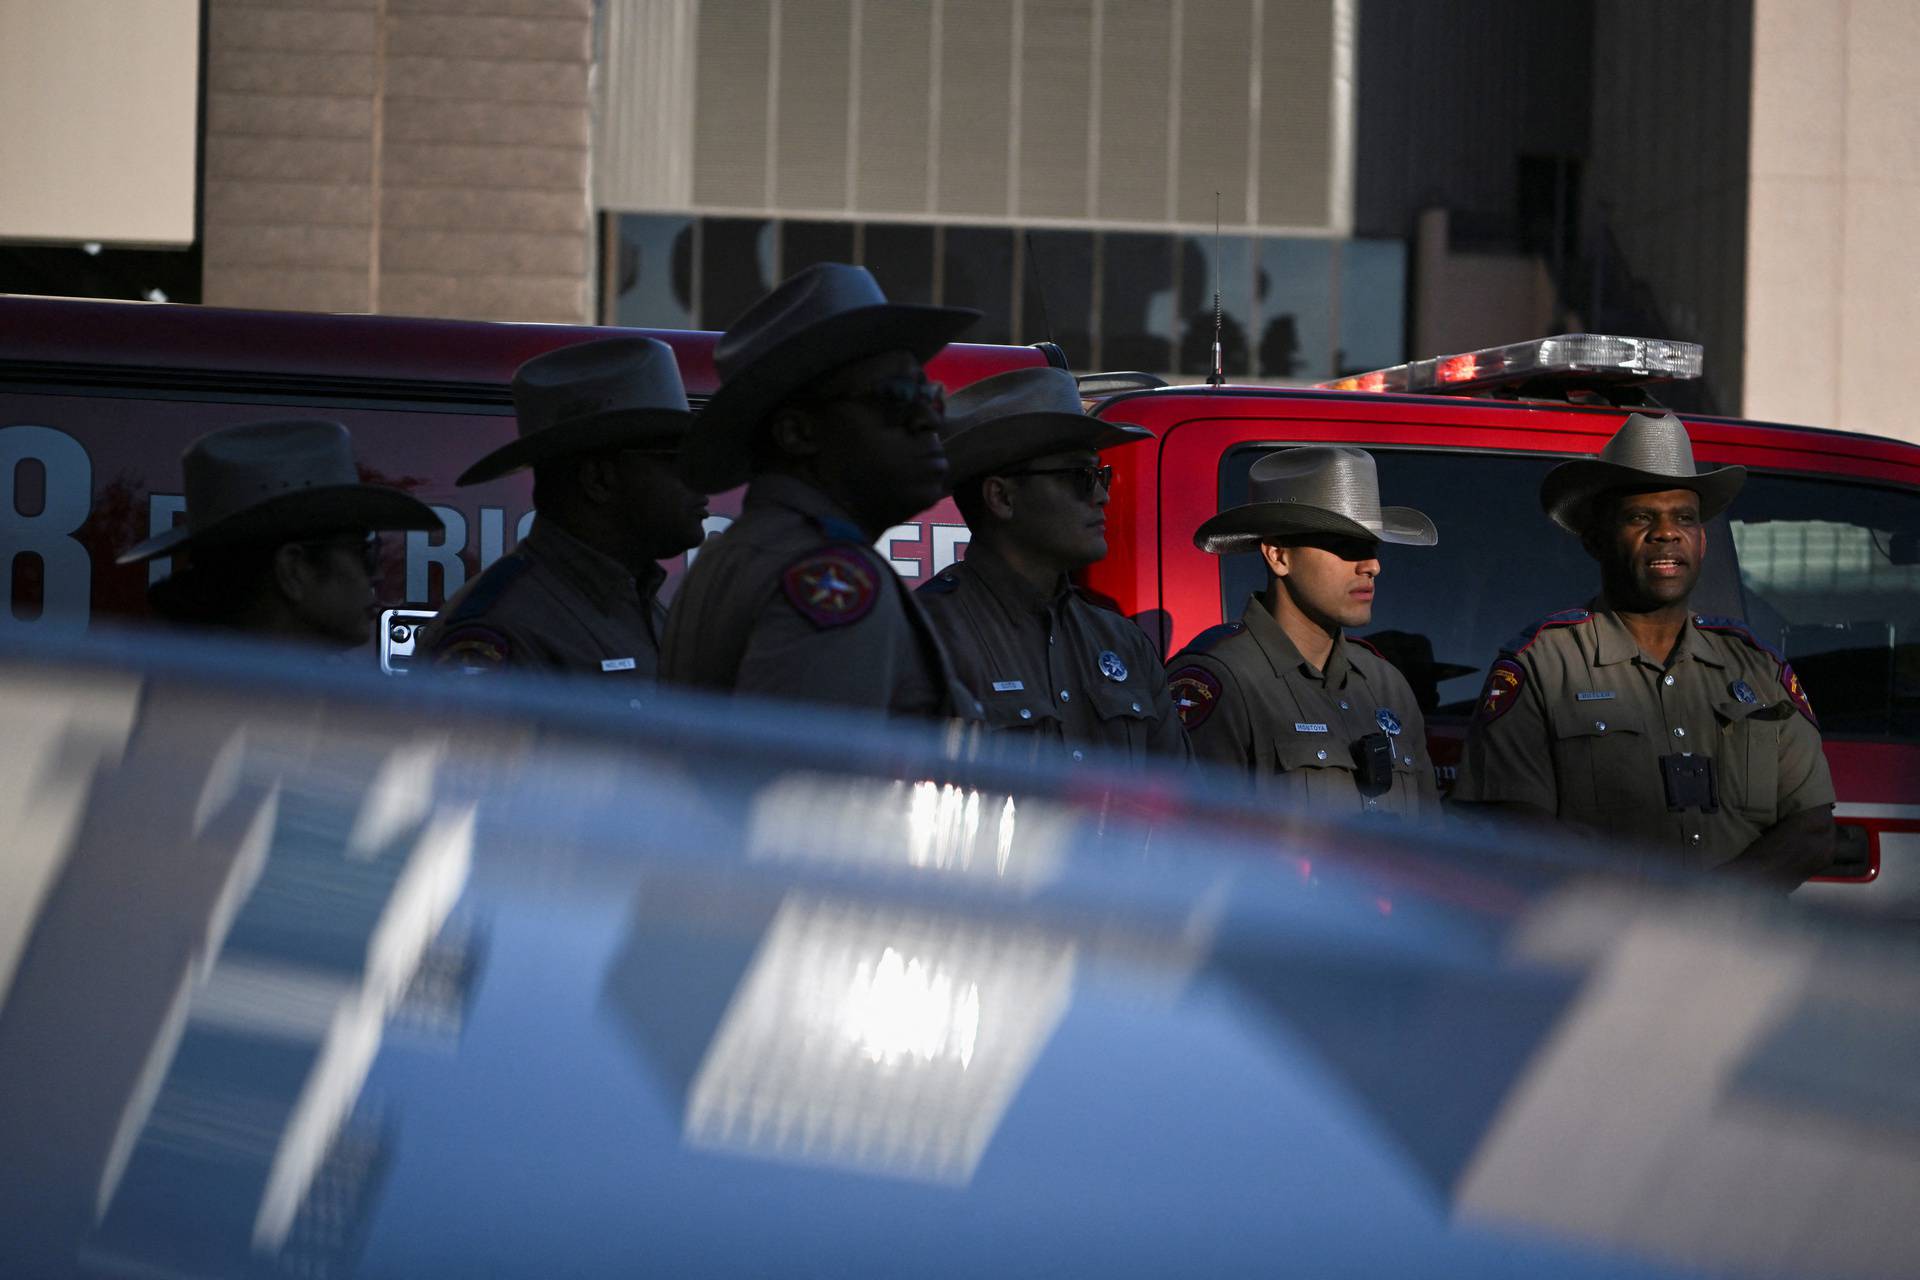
(1085, 479)
(897, 398)
(369, 548)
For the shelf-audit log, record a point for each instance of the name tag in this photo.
(1008, 686)
(617, 664)
(1309, 728)
(1599, 695)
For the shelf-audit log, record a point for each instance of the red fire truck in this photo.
(1821, 553)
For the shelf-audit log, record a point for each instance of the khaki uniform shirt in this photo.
(554, 605)
(1574, 719)
(792, 602)
(1251, 702)
(1053, 669)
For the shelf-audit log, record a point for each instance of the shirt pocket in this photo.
(1601, 766)
(1125, 712)
(1018, 710)
(1747, 757)
(1321, 766)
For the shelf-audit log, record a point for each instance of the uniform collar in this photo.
(1613, 643)
(1284, 655)
(778, 489)
(605, 580)
(1014, 592)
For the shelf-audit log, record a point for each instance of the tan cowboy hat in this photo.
(827, 316)
(1645, 453)
(1023, 414)
(1317, 489)
(276, 482)
(610, 394)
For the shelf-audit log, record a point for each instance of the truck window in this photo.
(1500, 565)
(1830, 572)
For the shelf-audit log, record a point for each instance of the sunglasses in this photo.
(369, 549)
(898, 399)
(1086, 480)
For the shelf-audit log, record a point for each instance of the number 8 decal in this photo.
(67, 570)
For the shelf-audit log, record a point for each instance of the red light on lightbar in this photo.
(1458, 369)
(1370, 382)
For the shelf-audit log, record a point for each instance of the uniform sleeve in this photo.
(1213, 711)
(1508, 754)
(1805, 782)
(479, 647)
(847, 654)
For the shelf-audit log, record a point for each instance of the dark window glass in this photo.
(735, 259)
(1295, 286)
(652, 280)
(1058, 280)
(1136, 302)
(901, 259)
(804, 243)
(977, 267)
(1500, 565)
(1197, 279)
(1830, 573)
(1373, 304)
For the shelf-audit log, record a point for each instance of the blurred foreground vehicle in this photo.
(328, 976)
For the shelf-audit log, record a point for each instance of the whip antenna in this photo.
(1039, 289)
(1218, 378)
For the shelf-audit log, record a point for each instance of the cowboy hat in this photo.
(1645, 453)
(1312, 490)
(823, 318)
(278, 481)
(1023, 414)
(610, 394)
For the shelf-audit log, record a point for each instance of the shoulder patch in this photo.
(1533, 630)
(473, 651)
(832, 588)
(1500, 692)
(1738, 628)
(943, 583)
(1212, 636)
(1196, 692)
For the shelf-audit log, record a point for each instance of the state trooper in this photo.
(825, 412)
(280, 535)
(1052, 667)
(600, 423)
(1284, 696)
(1634, 718)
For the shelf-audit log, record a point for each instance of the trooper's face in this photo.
(1650, 547)
(662, 512)
(330, 585)
(877, 436)
(1055, 507)
(1328, 577)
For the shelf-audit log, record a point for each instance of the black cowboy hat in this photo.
(1646, 453)
(823, 318)
(1312, 490)
(278, 481)
(1012, 417)
(609, 394)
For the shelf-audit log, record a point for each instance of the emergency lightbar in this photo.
(1587, 357)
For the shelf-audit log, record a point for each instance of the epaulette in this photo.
(490, 586)
(946, 582)
(841, 530)
(1212, 636)
(1790, 682)
(1370, 647)
(1532, 631)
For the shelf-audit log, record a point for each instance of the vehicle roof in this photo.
(453, 979)
(184, 339)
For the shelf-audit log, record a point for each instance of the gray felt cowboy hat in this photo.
(1314, 490)
(1023, 414)
(611, 394)
(827, 316)
(1646, 453)
(278, 481)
